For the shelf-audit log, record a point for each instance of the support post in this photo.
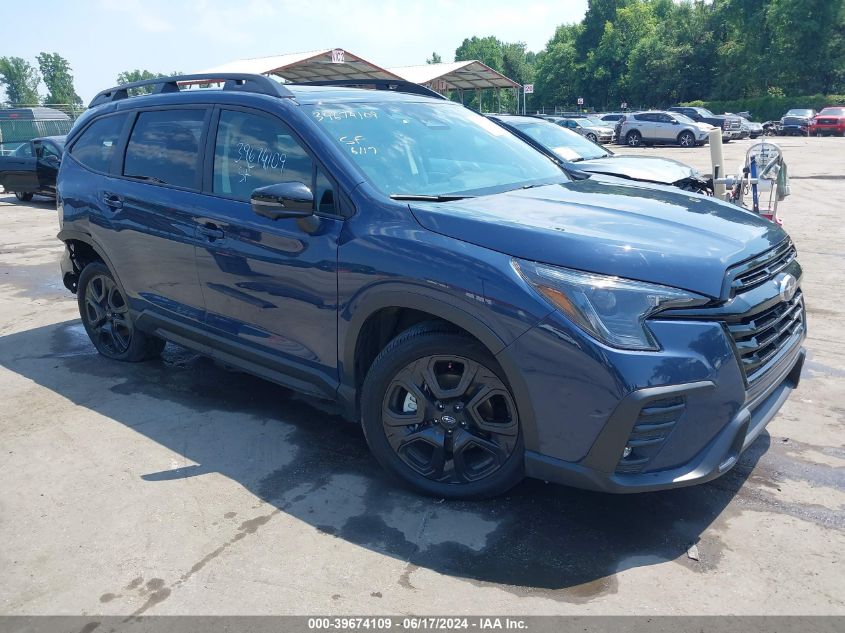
(717, 162)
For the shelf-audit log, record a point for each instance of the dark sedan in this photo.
(576, 153)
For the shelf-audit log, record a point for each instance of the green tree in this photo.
(801, 32)
(20, 79)
(57, 76)
(557, 74)
(434, 59)
(130, 76)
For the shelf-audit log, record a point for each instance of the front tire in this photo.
(438, 414)
(23, 197)
(592, 137)
(105, 315)
(686, 139)
(633, 138)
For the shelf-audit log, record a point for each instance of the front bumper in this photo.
(685, 412)
(596, 471)
(794, 129)
(827, 129)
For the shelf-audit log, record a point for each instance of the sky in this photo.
(101, 38)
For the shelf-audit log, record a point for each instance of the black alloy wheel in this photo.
(444, 421)
(107, 315)
(450, 419)
(107, 320)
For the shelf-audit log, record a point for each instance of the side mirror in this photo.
(674, 122)
(283, 200)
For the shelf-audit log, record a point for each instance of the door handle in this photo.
(211, 231)
(112, 200)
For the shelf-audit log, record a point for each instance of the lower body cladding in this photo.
(623, 422)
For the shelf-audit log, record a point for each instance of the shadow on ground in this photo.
(312, 465)
(37, 202)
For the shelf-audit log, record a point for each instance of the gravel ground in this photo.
(178, 487)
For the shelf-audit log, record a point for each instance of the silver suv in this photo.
(658, 127)
(596, 131)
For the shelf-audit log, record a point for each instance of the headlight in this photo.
(611, 309)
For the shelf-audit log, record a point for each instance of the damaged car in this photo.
(577, 154)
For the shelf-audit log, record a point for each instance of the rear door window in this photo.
(95, 148)
(164, 147)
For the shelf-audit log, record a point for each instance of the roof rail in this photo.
(233, 81)
(396, 85)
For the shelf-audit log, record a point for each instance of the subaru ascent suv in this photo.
(481, 315)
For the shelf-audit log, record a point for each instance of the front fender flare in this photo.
(435, 303)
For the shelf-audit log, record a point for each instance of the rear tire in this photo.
(105, 315)
(438, 414)
(23, 197)
(633, 139)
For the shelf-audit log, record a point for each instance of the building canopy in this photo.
(325, 65)
(339, 64)
(466, 75)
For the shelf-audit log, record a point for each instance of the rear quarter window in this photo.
(95, 148)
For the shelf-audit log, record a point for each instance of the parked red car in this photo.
(831, 120)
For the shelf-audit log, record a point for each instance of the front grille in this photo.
(828, 121)
(758, 338)
(763, 267)
(654, 423)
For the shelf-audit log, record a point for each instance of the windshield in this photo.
(565, 143)
(705, 112)
(432, 149)
(833, 111)
(799, 113)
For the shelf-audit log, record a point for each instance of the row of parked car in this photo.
(684, 126)
(808, 122)
(689, 126)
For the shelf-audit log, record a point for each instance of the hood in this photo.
(601, 129)
(630, 230)
(705, 127)
(662, 170)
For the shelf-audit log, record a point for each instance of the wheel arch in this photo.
(380, 318)
(82, 249)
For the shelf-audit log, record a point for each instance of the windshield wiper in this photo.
(427, 198)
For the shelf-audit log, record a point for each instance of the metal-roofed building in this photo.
(332, 64)
(338, 64)
(471, 75)
(466, 75)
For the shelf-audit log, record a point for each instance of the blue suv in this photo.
(483, 316)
